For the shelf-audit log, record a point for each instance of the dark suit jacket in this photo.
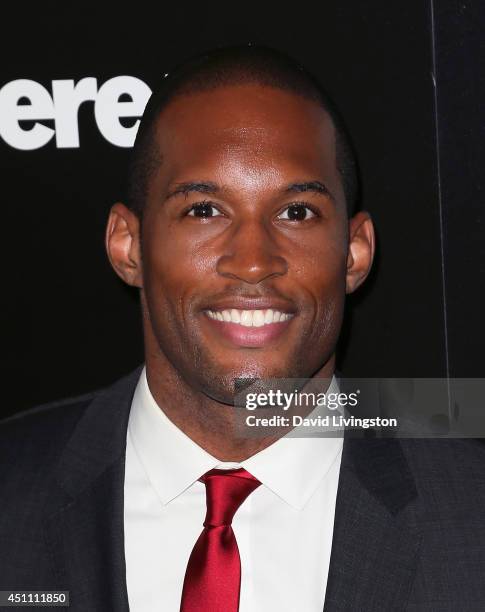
(409, 531)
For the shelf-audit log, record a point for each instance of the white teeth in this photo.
(249, 318)
(258, 318)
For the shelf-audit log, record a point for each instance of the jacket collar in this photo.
(100, 436)
(84, 520)
(377, 533)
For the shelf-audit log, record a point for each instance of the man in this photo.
(241, 235)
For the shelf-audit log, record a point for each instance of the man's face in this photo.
(244, 238)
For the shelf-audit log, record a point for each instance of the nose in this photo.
(251, 254)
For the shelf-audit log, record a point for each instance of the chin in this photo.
(226, 385)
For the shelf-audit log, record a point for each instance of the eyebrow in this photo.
(212, 188)
(198, 187)
(312, 186)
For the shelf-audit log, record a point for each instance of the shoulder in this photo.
(447, 469)
(37, 435)
(34, 439)
(35, 444)
(440, 457)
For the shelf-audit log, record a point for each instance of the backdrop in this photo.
(74, 80)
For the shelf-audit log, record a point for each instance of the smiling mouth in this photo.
(249, 328)
(249, 318)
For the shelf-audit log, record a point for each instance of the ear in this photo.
(360, 251)
(123, 244)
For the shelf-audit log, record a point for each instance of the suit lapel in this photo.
(376, 536)
(84, 521)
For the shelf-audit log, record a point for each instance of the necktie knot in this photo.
(213, 576)
(225, 492)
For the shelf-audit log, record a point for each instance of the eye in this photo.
(203, 210)
(297, 212)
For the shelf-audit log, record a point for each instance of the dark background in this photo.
(69, 325)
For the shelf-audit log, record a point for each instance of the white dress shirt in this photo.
(284, 528)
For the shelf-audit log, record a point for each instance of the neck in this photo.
(209, 423)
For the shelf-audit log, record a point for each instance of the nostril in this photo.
(252, 269)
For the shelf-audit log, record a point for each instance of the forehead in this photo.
(260, 129)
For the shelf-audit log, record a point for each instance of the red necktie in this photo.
(213, 576)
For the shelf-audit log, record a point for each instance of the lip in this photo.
(251, 303)
(248, 337)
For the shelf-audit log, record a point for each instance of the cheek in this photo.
(322, 276)
(174, 249)
(174, 269)
(322, 267)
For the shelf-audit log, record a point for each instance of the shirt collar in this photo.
(172, 461)
(294, 466)
(291, 467)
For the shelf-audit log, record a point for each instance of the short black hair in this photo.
(248, 64)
